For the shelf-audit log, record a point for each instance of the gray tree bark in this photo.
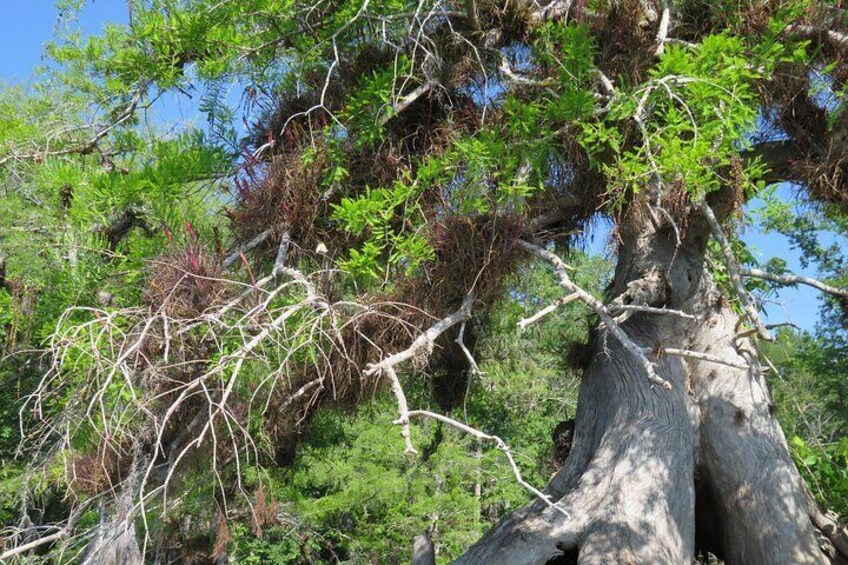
(652, 470)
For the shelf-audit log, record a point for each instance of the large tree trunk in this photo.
(652, 471)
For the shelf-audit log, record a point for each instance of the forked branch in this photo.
(500, 445)
(565, 282)
(420, 349)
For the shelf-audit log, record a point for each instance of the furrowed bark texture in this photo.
(651, 470)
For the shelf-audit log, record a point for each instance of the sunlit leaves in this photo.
(378, 216)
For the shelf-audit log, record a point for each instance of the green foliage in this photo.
(825, 468)
(810, 395)
(352, 495)
(375, 216)
(694, 113)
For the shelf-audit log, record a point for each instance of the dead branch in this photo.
(599, 308)
(420, 349)
(792, 280)
(697, 355)
(562, 301)
(61, 533)
(662, 32)
(500, 445)
(521, 80)
(733, 271)
(423, 344)
(407, 101)
(472, 363)
(614, 308)
(245, 247)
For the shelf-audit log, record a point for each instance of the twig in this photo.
(562, 301)
(460, 340)
(599, 308)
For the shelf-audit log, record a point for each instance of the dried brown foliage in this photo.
(185, 281)
(95, 471)
(626, 41)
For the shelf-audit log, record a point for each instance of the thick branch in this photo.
(778, 157)
(838, 39)
(61, 533)
(471, 14)
(515, 78)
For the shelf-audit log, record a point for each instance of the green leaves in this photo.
(690, 120)
(568, 48)
(826, 468)
(381, 217)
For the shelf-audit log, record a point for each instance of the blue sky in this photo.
(27, 25)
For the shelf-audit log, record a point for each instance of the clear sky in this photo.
(26, 25)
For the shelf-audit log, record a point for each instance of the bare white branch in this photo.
(515, 78)
(407, 101)
(500, 445)
(245, 247)
(698, 356)
(420, 349)
(650, 310)
(562, 301)
(472, 363)
(423, 344)
(733, 272)
(793, 279)
(662, 32)
(599, 308)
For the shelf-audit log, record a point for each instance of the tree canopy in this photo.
(335, 315)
